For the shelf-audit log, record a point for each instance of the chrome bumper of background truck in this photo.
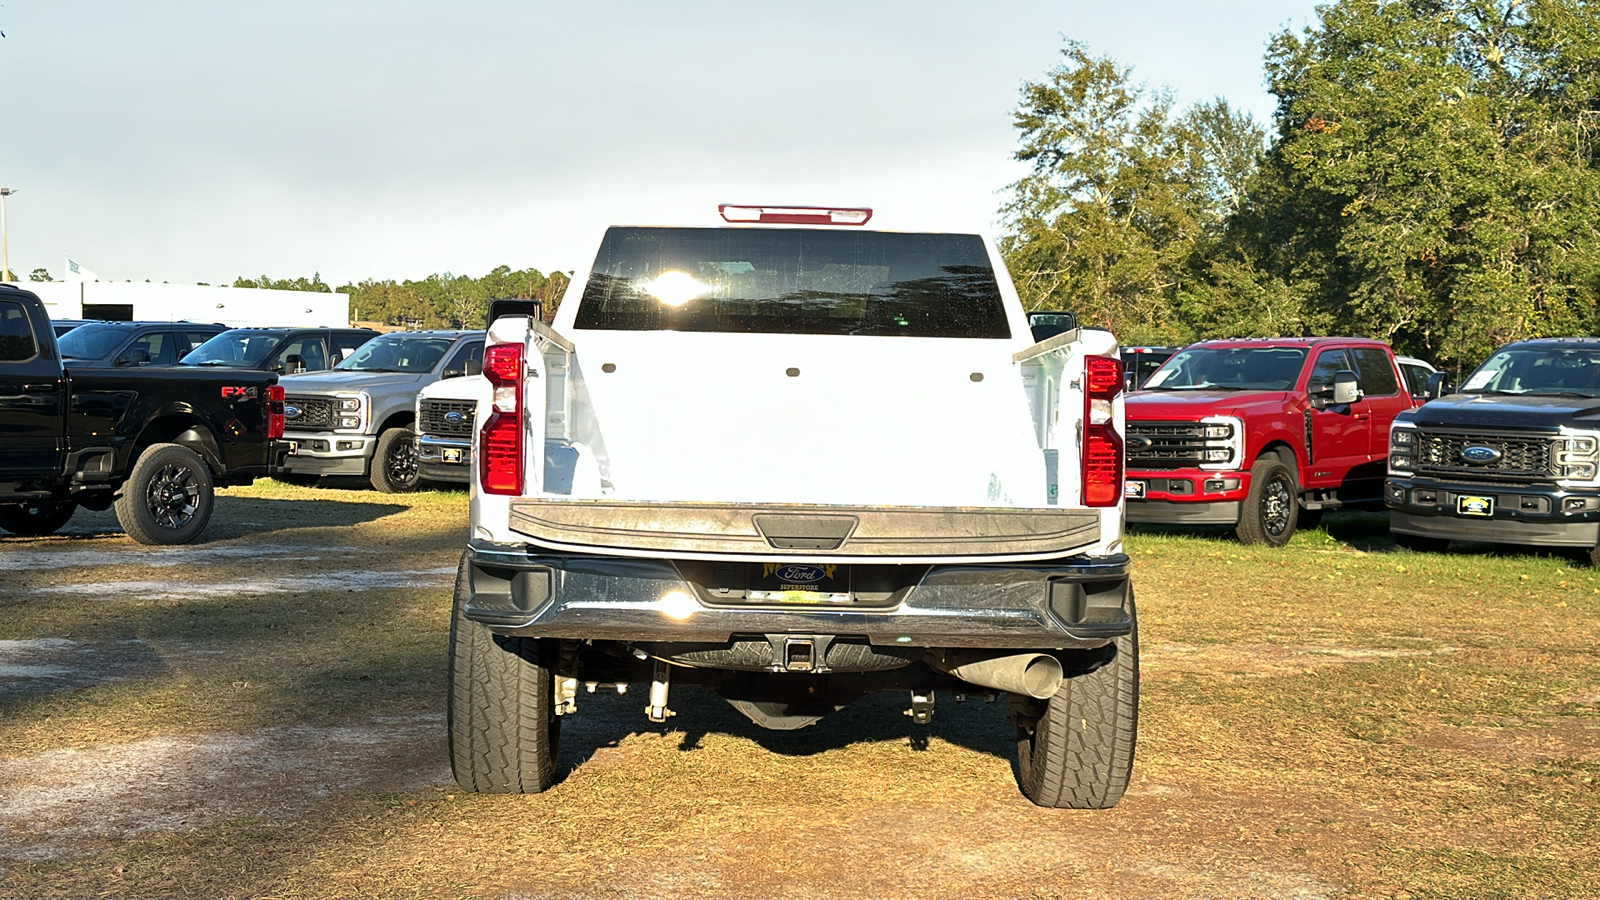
(1075, 602)
(444, 459)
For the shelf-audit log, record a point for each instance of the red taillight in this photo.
(500, 440)
(275, 412)
(1102, 448)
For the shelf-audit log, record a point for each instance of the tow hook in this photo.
(660, 682)
(921, 711)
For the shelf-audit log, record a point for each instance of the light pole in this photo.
(5, 251)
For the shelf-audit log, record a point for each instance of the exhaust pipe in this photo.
(1037, 675)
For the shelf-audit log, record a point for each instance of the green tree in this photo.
(1124, 196)
(1433, 179)
(314, 283)
(40, 274)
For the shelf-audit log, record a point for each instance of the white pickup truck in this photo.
(794, 461)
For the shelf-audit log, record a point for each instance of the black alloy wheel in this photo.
(395, 468)
(173, 496)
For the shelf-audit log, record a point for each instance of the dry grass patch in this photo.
(1335, 719)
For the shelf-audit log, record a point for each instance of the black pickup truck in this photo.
(1510, 457)
(152, 441)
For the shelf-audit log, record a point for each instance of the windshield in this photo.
(1538, 370)
(242, 348)
(793, 281)
(92, 341)
(397, 353)
(1231, 369)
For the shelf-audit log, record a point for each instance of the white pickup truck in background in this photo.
(794, 461)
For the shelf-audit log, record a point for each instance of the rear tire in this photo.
(36, 519)
(1272, 507)
(1420, 544)
(168, 496)
(504, 733)
(394, 464)
(1078, 754)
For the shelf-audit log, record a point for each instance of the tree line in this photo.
(1429, 177)
(441, 300)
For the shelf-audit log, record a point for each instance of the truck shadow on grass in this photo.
(236, 517)
(606, 720)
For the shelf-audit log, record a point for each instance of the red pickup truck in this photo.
(1262, 434)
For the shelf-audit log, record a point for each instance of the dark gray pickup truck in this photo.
(153, 442)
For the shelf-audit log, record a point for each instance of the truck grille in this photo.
(1171, 445)
(314, 413)
(1439, 453)
(436, 418)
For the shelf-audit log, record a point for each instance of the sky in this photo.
(201, 141)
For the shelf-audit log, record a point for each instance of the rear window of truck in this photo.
(793, 281)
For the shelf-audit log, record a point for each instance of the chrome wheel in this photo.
(1275, 502)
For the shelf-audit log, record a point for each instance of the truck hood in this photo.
(1506, 411)
(332, 382)
(1188, 406)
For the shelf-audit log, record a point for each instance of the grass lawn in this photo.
(261, 716)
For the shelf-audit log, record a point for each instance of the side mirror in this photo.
(1345, 389)
(138, 356)
(1438, 386)
(474, 367)
(295, 363)
(1046, 325)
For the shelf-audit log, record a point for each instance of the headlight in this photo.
(1578, 471)
(349, 403)
(1576, 457)
(1224, 442)
(349, 422)
(1401, 462)
(1402, 437)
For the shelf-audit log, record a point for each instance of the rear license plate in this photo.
(800, 583)
(452, 454)
(1133, 490)
(1474, 505)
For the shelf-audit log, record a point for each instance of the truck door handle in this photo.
(50, 388)
(1360, 415)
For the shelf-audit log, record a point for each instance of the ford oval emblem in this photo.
(1139, 442)
(1478, 453)
(454, 417)
(795, 573)
(291, 412)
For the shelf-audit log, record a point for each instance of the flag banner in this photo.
(76, 272)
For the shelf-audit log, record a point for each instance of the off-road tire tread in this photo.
(1079, 754)
(503, 731)
(133, 513)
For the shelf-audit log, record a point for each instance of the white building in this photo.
(147, 301)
